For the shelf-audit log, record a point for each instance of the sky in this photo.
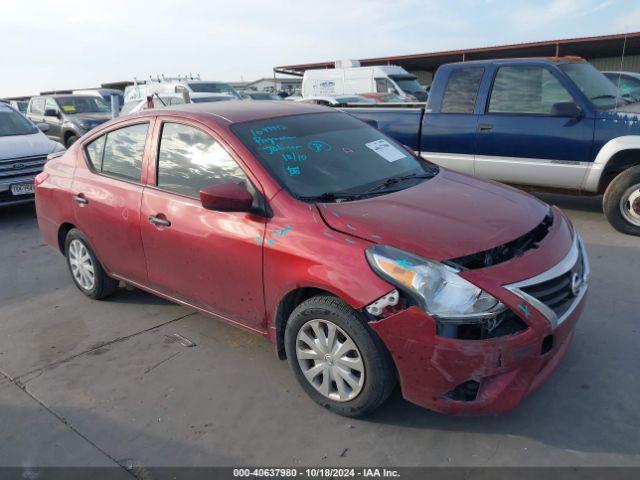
(64, 44)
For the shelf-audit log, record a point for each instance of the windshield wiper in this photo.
(331, 196)
(393, 180)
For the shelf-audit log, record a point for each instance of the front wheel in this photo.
(338, 361)
(87, 272)
(621, 201)
(71, 139)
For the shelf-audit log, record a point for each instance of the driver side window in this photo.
(190, 159)
(383, 85)
(526, 90)
(51, 104)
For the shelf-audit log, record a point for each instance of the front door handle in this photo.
(159, 221)
(483, 127)
(80, 198)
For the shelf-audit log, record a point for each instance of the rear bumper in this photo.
(507, 368)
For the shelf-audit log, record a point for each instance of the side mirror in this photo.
(566, 109)
(51, 112)
(226, 197)
(44, 127)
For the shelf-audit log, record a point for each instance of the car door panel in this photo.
(210, 259)
(520, 141)
(107, 207)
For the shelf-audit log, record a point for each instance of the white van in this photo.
(168, 86)
(357, 80)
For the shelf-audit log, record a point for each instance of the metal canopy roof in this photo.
(588, 47)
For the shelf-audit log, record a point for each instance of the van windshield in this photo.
(13, 123)
(331, 156)
(409, 84)
(212, 87)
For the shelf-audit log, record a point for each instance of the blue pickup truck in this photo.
(548, 123)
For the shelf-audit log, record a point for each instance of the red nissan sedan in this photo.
(363, 264)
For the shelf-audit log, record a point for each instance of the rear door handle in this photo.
(485, 127)
(80, 198)
(159, 221)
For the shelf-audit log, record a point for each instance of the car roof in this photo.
(497, 61)
(65, 95)
(236, 111)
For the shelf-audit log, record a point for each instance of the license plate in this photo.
(22, 189)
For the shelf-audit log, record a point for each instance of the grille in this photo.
(19, 167)
(557, 293)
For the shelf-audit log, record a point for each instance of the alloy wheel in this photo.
(81, 265)
(330, 360)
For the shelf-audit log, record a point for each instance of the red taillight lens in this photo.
(41, 177)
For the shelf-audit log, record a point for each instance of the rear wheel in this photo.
(86, 271)
(622, 201)
(336, 358)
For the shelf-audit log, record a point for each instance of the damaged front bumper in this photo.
(506, 369)
(491, 375)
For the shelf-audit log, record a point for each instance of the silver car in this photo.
(23, 150)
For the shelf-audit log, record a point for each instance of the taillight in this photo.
(41, 177)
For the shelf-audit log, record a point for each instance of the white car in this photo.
(23, 150)
(336, 100)
(171, 86)
(160, 101)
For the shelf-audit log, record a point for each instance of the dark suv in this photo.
(68, 116)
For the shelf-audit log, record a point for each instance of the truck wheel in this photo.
(86, 270)
(622, 201)
(71, 139)
(337, 360)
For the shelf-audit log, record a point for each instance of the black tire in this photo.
(379, 379)
(613, 197)
(103, 285)
(71, 139)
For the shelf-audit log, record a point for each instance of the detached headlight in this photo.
(437, 288)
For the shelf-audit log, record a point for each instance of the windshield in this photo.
(107, 98)
(409, 84)
(594, 85)
(315, 154)
(264, 96)
(72, 105)
(13, 123)
(213, 87)
(354, 100)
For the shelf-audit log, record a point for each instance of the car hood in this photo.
(17, 146)
(448, 216)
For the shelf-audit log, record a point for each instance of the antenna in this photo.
(624, 46)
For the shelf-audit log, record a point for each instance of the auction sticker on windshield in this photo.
(22, 189)
(385, 150)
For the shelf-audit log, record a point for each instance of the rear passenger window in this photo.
(526, 90)
(119, 152)
(461, 90)
(190, 159)
(95, 150)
